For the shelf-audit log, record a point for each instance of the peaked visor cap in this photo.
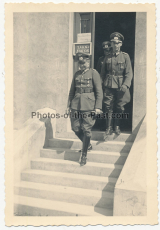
(106, 45)
(82, 57)
(116, 37)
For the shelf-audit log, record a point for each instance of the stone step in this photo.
(109, 146)
(69, 180)
(91, 168)
(46, 206)
(127, 137)
(102, 199)
(98, 136)
(26, 210)
(92, 156)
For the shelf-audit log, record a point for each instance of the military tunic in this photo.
(100, 122)
(116, 71)
(99, 64)
(85, 96)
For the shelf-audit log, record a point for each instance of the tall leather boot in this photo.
(117, 123)
(86, 141)
(109, 128)
(80, 135)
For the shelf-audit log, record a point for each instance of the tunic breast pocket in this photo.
(121, 65)
(88, 82)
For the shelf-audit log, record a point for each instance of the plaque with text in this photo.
(84, 37)
(82, 47)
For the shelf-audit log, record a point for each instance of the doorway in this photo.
(124, 23)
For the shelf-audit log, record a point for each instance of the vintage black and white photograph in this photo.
(80, 113)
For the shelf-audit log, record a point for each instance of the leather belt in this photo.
(113, 75)
(84, 90)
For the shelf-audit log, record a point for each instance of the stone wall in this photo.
(139, 82)
(42, 59)
(130, 194)
(27, 144)
(40, 64)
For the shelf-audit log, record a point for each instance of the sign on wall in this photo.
(82, 47)
(84, 37)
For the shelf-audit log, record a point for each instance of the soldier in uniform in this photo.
(85, 96)
(116, 75)
(107, 49)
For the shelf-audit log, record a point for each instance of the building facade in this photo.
(44, 59)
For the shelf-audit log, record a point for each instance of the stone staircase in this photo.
(56, 185)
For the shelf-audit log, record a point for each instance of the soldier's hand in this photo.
(123, 88)
(68, 110)
(98, 111)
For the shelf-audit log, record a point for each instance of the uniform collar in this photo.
(84, 71)
(116, 54)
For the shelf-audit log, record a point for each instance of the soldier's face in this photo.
(84, 66)
(116, 46)
(106, 51)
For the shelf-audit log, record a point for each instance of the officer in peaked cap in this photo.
(117, 75)
(85, 96)
(107, 49)
(116, 37)
(83, 58)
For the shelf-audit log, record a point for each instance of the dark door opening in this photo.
(124, 23)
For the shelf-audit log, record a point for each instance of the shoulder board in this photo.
(124, 53)
(94, 70)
